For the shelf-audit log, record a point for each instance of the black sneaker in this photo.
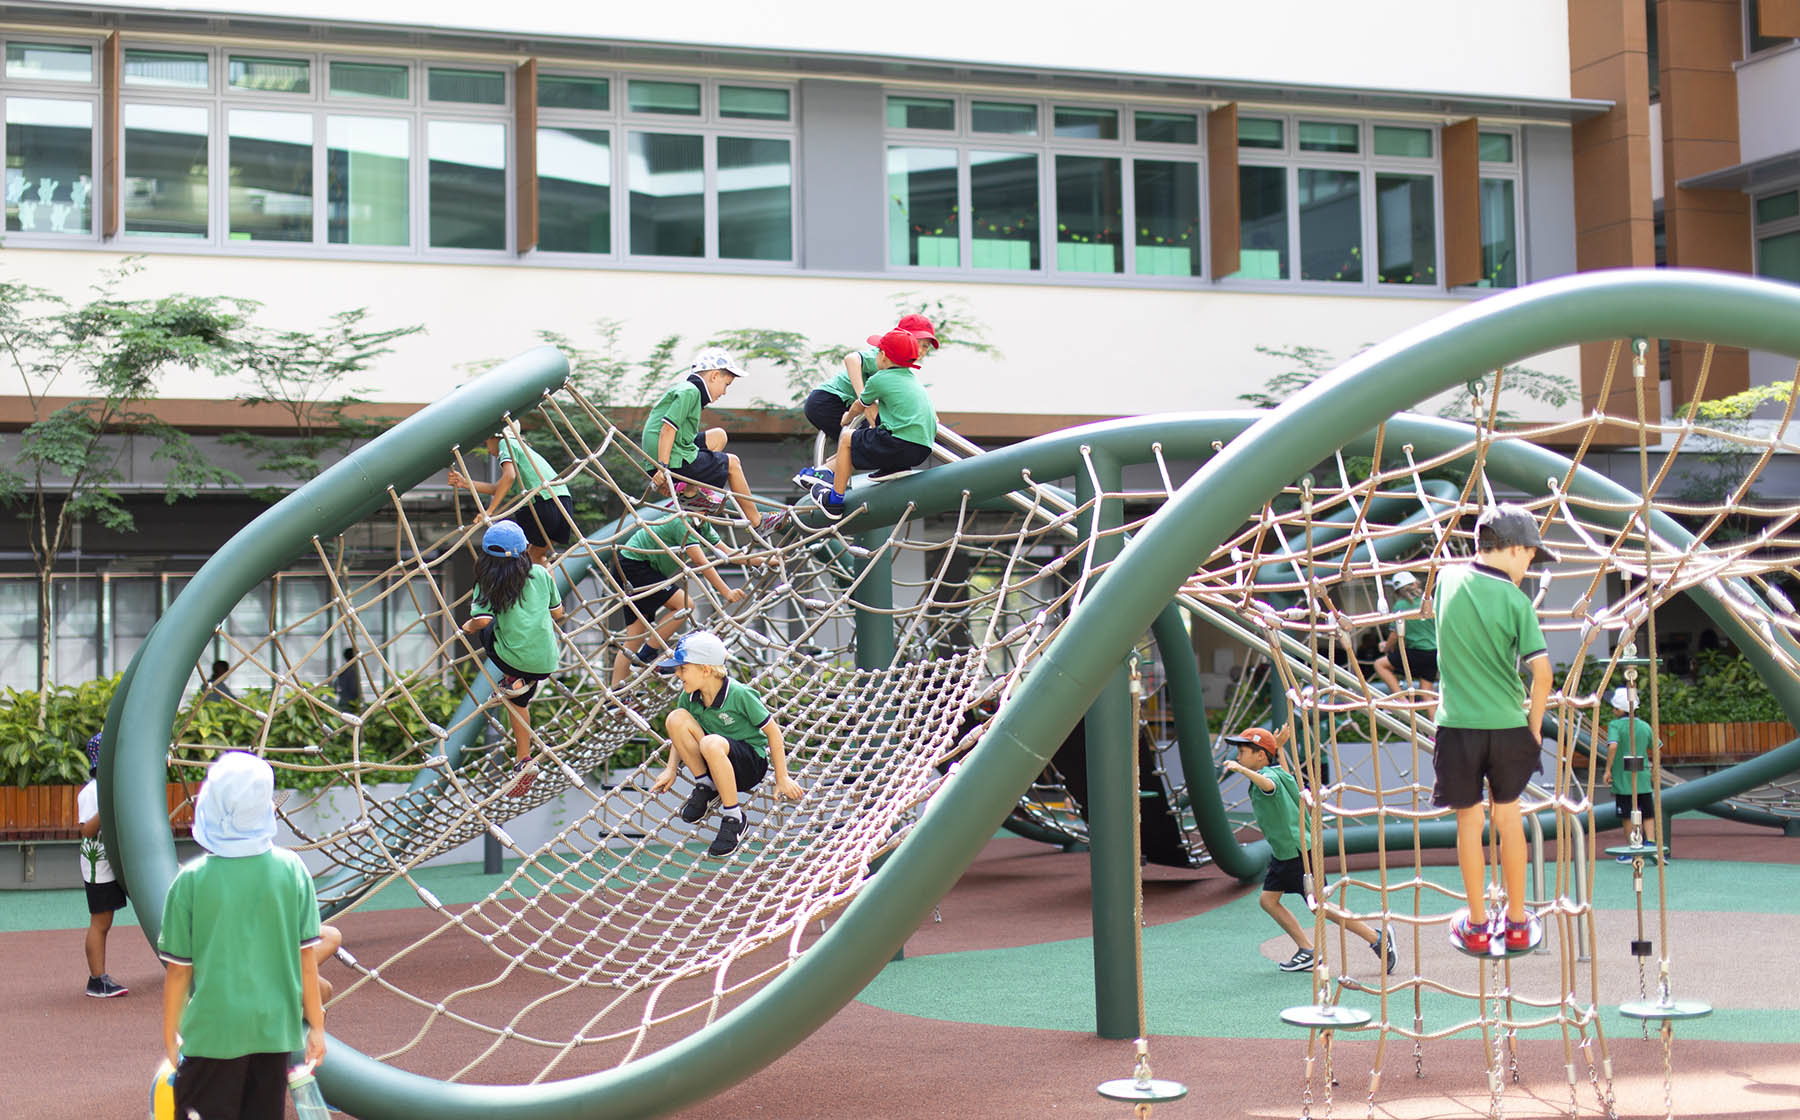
(828, 500)
(699, 803)
(105, 987)
(1383, 948)
(889, 476)
(1299, 962)
(646, 654)
(731, 831)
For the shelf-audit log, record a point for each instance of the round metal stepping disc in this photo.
(1312, 1016)
(1674, 1009)
(1153, 1091)
(1631, 850)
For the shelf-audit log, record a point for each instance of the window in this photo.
(270, 166)
(574, 190)
(466, 184)
(75, 628)
(180, 70)
(1166, 128)
(937, 113)
(666, 176)
(1003, 117)
(1316, 136)
(1168, 217)
(1499, 210)
(1330, 207)
(1263, 223)
(1255, 132)
(270, 75)
(368, 180)
(1405, 228)
(1087, 124)
(49, 165)
(49, 62)
(558, 91)
(681, 99)
(756, 205)
(923, 225)
(468, 87)
(1003, 210)
(18, 634)
(753, 103)
(371, 79)
(1090, 215)
(1778, 236)
(1405, 143)
(166, 182)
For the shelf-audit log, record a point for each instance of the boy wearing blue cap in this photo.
(241, 938)
(515, 610)
(721, 731)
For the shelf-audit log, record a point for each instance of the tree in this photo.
(1723, 462)
(71, 455)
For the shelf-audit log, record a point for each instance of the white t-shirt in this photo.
(94, 868)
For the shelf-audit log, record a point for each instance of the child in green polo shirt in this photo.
(682, 452)
(1630, 737)
(1275, 802)
(1416, 632)
(1487, 731)
(826, 406)
(649, 569)
(720, 731)
(241, 937)
(902, 424)
(524, 471)
(515, 610)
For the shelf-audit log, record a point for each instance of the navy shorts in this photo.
(633, 574)
(104, 898)
(1625, 802)
(487, 643)
(748, 767)
(1505, 758)
(709, 468)
(1420, 663)
(1285, 876)
(253, 1087)
(547, 520)
(825, 411)
(877, 449)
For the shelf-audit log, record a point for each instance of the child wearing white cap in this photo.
(672, 434)
(1629, 737)
(721, 731)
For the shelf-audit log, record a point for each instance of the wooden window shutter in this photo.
(1222, 190)
(1778, 19)
(525, 153)
(112, 73)
(1462, 203)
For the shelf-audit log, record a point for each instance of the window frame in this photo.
(1759, 231)
(1514, 171)
(53, 89)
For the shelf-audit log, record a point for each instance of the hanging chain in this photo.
(1306, 1088)
(1668, 1038)
(1603, 1096)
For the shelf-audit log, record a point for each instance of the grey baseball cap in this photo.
(1505, 526)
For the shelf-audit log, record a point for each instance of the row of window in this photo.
(1778, 235)
(224, 147)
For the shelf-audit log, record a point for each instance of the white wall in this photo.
(1517, 48)
(1768, 90)
(1084, 350)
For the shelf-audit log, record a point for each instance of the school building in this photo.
(1131, 201)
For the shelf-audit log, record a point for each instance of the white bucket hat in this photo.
(235, 812)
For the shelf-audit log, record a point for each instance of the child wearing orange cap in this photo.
(902, 423)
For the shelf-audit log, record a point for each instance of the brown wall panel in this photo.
(112, 72)
(1462, 202)
(1778, 19)
(525, 152)
(1225, 256)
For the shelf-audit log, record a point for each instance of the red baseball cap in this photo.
(900, 346)
(919, 327)
(1258, 738)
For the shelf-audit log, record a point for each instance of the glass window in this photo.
(133, 614)
(1255, 132)
(666, 177)
(1089, 215)
(753, 103)
(370, 79)
(756, 201)
(1262, 223)
(1405, 229)
(367, 177)
(270, 75)
(1778, 206)
(938, 113)
(1004, 117)
(271, 175)
(1330, 204)
(1324, 136)
(1167, 128)
(1167, 194)
(677, 98)
(75, 630)
(49, 165)
(469, 87)
(18, 634)
(247, 628)
(1003, 210)
(1086, 124)
(165, 182)
(50, 62)
(466, 182)
(574, 168)
(1406, 143)
(559, 91)
(1778, 257)
(166, 69)
(1499, 235)
(1496, 147)
(923, 218)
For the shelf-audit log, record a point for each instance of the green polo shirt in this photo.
(736, 713)
(658, 542)
(529, 467)
(1486, 629)
(241, 924)
(838, 384)
(678, 408)
(1417, 631)
(1630, 737)
(905, 405)
(524, 633)
(1278, 812)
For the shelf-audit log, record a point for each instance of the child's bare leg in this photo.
(718, 763)
(684, 738)
(1385, 671)
(622, 659)
(1471, 859)
(1290, 925)
(538, 554)
(519, 716)
(1650, 827)
(841, 466)
(1510, 827)
(671, 618)
(716, 439)
(740, 490)
(95, 942)
(330, 938)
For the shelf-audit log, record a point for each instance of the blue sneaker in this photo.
(828, 500)
(808, 477)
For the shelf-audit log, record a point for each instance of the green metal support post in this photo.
(875, 627)
(1112, 793)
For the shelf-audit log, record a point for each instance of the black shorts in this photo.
(748, 767)
(104, 898)
(1420, 663)
(547, 520)
(1285, 876)
(709, 468)
(877, 449)
(633, 574)
(825, 411)
(1505, 757)
(1625, 802)
(500, 663)
(253, 1087)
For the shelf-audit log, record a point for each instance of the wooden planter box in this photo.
(36, 813)
(1722, 742)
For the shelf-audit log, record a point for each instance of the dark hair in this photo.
(501, 579)
(349, 653)
(220, 667)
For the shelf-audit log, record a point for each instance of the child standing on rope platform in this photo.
(683, 452)
(1628, 738)
(515, 611)
(1275, 802)
(902, 424)
(826, 406)
(1487, 729)
(648, 567)
(524, 471)
(1416, 632)
(241, 938)
(721, 731)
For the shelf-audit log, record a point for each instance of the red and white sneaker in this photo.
(1522, 937)
(524, 774)
(1469, 937)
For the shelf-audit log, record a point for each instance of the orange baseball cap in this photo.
(1259, 738)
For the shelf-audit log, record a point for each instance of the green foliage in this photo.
(1715, 468)
(51, 750)
(1724, 688)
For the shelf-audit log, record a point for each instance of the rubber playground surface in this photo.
(990, 1014)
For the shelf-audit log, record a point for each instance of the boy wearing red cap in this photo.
(902, 423)
(826, 406)
(1275, 802)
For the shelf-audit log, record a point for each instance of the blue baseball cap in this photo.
(93, 753)
(504, 538)
(702, 647)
